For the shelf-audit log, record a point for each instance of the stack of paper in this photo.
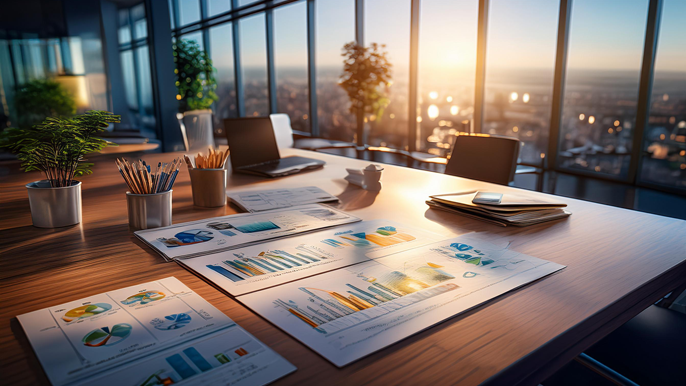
(516, 210)
(262, 200)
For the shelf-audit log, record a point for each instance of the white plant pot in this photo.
(54, 207)
(199, 129)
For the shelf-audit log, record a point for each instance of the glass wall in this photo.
(601, 91)
(254, 65)
(447, 66)
(290, 61)
(604, 57)
(387, 22)
(664, 140)
(519, 77)
(221, 50)
(335, 26)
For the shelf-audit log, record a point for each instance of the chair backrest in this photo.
(282, 130)
(484, 158)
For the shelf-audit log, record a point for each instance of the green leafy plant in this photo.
(366, 78)
(57, 146)
(40, 99)
(194, 76)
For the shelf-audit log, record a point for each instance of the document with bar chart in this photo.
(156, 333)
(199, 238)
(253, 268)
(352, 312)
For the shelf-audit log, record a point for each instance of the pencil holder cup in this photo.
(149, 210)
(209, 187)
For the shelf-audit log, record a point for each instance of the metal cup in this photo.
(54, 207)
(149, 210)
(209, 187)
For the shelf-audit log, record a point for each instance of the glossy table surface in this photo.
(618, 262)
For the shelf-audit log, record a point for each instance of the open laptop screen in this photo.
(251, 141)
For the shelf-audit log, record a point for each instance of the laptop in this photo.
(253, 149)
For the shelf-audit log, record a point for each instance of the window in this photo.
(601, 91)
(215, 7)
(134, 55)
(221, 49)
(388, 22)
(519, 77)
(447, 65)
(254, 65)
(664, 140)
(335, 26)
(290, 61)
(189, 11)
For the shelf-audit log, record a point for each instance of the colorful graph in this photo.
(382, 237)
(106, 336)
(474, 257)
(156, 379)
(223, 228)
(144, 298)
(257, 226)
(86, 311)
(188, 237)
(268, 262)
(325, 306)
(171, 322)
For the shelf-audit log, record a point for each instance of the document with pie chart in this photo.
(156, 333)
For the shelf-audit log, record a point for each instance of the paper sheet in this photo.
(262, 200)
(249, 269)
(151, 334)
(229, 232)
(352, 312)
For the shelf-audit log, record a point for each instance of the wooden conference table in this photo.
(618, 262)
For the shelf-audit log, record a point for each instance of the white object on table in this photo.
(368, 178)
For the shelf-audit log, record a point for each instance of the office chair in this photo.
(484, 157)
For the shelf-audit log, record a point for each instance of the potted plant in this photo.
(42, 98)
(366, 78)
(57, 147)
(196, 86)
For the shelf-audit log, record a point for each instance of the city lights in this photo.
(526, 97)
(449, 99)
(419, 119)
(515, 129)
(591, 119)
(454, 110)
(432, 112)
(582, 117)
(610, 130)
(433, 95)
(514, 96)
(616, 123)
(665, 97)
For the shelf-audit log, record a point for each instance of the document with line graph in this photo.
(156, 333)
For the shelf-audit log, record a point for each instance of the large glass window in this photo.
(447, 65)
(664, 141)
(601, 92)
(519, 77)
(290, 60)
(254, 65)
(221, 49)
(189, 11)
(215, 7)
(388, 22)
(335, 27)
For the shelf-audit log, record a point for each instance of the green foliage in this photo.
(40, 99)
(366, 78)
(57, 145)
(194, 76)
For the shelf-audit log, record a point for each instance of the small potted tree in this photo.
(196, 86)
(57, 147)
(366, 77)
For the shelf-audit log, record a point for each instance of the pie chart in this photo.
(144, 298)
(86, 311)
(106, 336)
